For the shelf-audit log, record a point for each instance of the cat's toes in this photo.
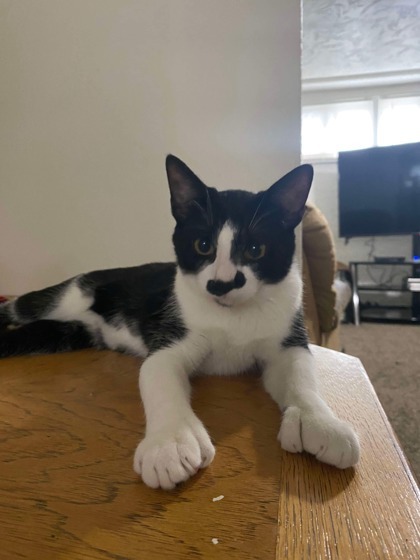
(166, 458)
(289, 434)
(331, 440)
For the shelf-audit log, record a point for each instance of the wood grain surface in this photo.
(70, 424)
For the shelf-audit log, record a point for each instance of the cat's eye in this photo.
(255, 251)
(204, 246)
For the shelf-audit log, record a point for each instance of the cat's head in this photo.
(233, 242)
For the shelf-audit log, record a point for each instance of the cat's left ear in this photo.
(186, 188)
(289, 194)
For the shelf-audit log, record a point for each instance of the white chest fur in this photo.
(239, 336)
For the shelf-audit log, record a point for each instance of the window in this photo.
(335, 127)
(329, 129)
(398, 121)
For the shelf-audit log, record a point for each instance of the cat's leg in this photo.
(44, 337)
(308, 423)
(176, 443)
(33, 306)
(7, 317)
(46, 321)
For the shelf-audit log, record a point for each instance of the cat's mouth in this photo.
(222, 303)
(223, 300)
(230, 300)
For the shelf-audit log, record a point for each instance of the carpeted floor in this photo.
(390, 354)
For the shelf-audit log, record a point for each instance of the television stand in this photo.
(385, 291)
(389, 260)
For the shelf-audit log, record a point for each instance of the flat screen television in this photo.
(379, 191)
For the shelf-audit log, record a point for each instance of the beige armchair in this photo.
(318, 271)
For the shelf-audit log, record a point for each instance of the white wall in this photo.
(95, 93)
(324, 194)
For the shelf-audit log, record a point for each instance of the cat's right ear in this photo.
(186, 188)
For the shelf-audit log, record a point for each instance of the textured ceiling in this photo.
(353, 37)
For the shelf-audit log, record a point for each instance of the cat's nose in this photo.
(221, 288)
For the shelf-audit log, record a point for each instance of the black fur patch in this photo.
(298, 336)
(139, 297)
(5, 315)
(44, 337)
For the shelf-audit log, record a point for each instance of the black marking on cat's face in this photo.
(221, 287)
(262, 224)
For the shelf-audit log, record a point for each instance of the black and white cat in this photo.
(231, 302)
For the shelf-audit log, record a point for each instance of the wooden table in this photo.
(70, 424)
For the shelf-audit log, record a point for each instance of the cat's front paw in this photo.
(331, 440)
(167, 457)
